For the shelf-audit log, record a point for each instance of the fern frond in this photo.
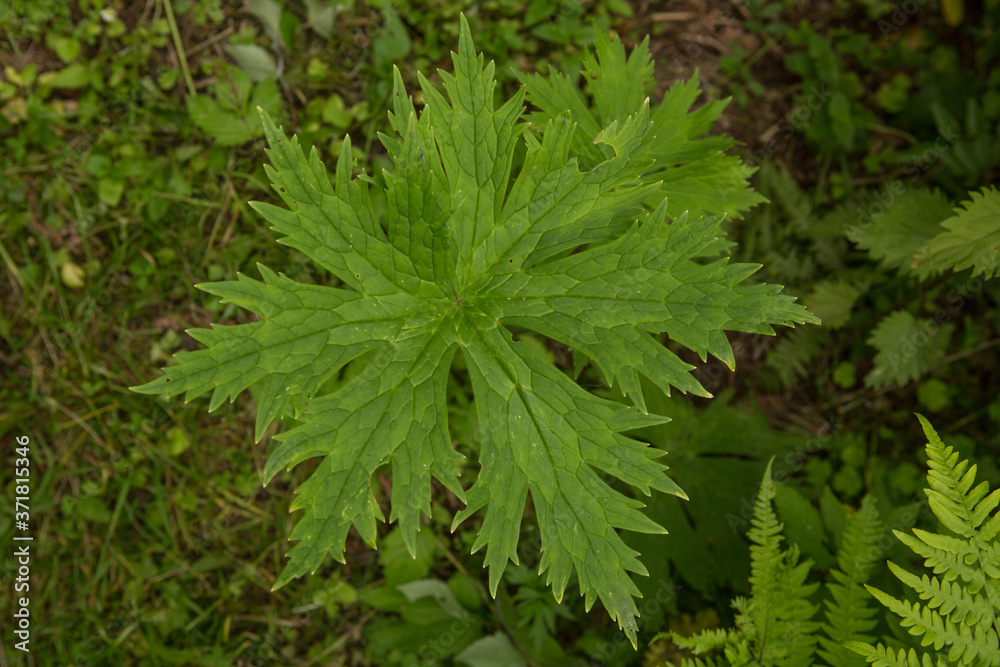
(963, 509)
(772, 625)
(765, 533)
(968, 646)
(959, 506)
(730, 642)
(776, 616)
(884, 657)
(948, 598)
(706, 640)
(848, 613)
(946, 555)
(700, 662)
(958, 612)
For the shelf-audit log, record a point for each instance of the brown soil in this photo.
(694, 35)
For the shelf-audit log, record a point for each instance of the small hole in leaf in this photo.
(510, 261)
(358, 276)
(166, 379)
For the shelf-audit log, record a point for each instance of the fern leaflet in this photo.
(959, 605)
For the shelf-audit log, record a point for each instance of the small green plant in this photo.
(911, 234)
(841, 122)
(741, 80)
(465, 253)
(916, 236)
(774, 625)
(230, 116)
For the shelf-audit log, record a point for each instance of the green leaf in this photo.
(468, 247)
(907, 347)
(178, 441)
(467, 590)
(432, 623)
(384, 598)
(694, 171)
(972, 239)
(67, 48)
(934, 395)
(392, 43)
(493, 651)
(110, 191)
(93, 509)
(832, 301)
(803, 525)
(254, 60)
(268, 12)
(842, 121)
(895, 233)
(723, 442)
(436, 589)
(72, 275)
(231, 117)
(398, 565)
(845, 375)
(72, 76)
(335, 113)
(321, 15)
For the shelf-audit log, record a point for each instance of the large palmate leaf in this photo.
(466, 250)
